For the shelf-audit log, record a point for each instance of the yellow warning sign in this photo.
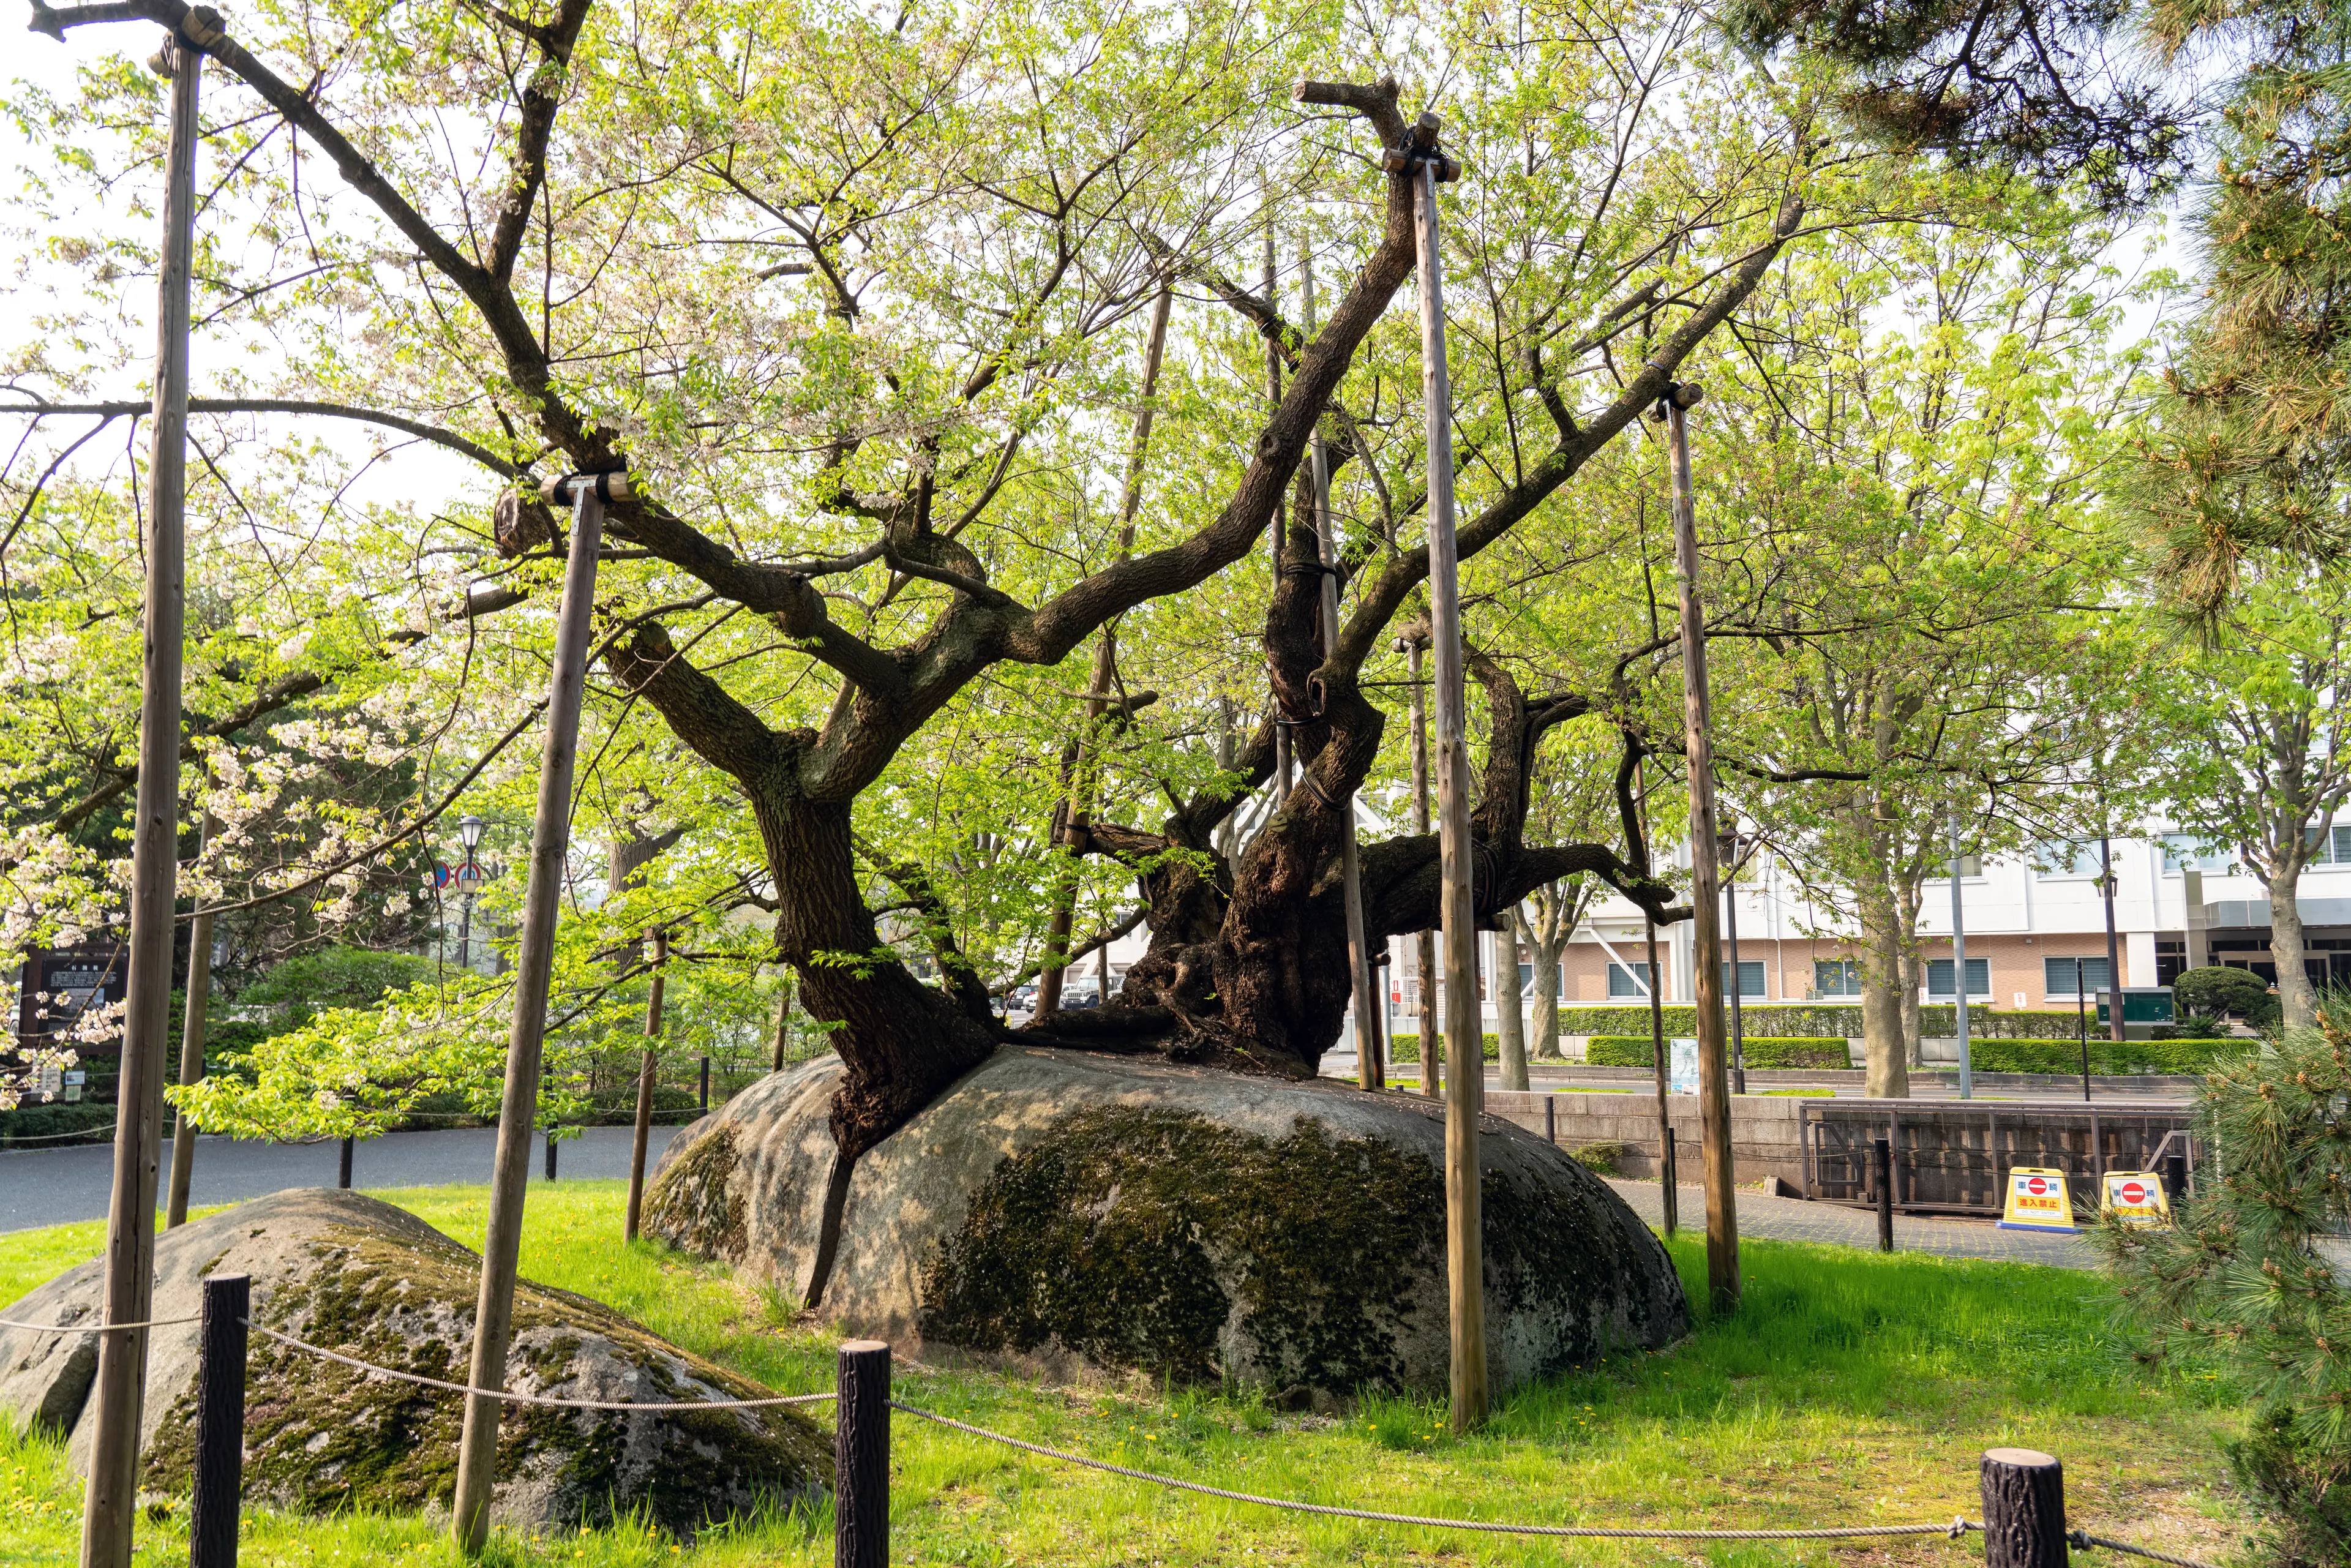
(2037, 1200)
(2135, 1198)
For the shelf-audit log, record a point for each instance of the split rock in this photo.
(1139, 1216)
(360, 1277)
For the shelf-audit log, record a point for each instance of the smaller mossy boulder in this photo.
(368, 1280)
(1179, 1223)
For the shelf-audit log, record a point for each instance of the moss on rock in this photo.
(357, 1277)
(692, 1201)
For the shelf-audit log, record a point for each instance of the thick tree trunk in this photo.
(1914, 974)
(911, 1041)
(1547, 941)
(2287, 946)
(1884, 1074)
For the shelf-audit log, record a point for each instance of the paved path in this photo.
(51, 1187)
(1793, 1220)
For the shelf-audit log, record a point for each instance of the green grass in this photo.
(1850, 1388)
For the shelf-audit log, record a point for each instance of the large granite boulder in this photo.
(1128, 1215)
(368, 1280)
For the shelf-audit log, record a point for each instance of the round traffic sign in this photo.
(2132, 1192)
(2036, 1186)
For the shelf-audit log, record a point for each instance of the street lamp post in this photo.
(469, 880)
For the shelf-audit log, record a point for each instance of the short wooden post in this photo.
(1881, 1160)
(2175, 1176)
(220, 1422)
(1550, 1117)
(706, 1085)
(860, 1456)
(2023, 1509)
(343, 1163)
(551, 1154)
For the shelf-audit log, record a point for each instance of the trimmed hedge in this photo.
(2106, 1058)
(1780, 1021)
(1759, 1051)
(1406, 1047)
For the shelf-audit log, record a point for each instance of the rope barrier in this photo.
(2082, 1540)
(95, 1328)
(512, 1398)
(1954, 1529)
(52, 1138)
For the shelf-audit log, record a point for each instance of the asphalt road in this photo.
(52, 1187)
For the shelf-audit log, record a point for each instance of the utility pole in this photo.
(1371, 1066)
(1706, 943)
(119, 1388)
(645, 1068)
(1432, 1049)
(550, 839)
(1465, 1088)
(1959, 966)
(192, 1050)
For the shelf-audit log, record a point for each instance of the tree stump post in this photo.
(214, 1505)
(2023, 1509)
(1881, 1159)
(860, 1456)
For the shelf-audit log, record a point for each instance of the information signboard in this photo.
(1681, 1066)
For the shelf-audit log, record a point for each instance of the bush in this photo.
(46, 1123)
(312, 983)
(1406, 1047)
(1760, 1050)
(1785, 1020)
(2215, 990)
(1600, 1160)
(2177, 1056)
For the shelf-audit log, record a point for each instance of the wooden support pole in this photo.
(1371, 1068)
(1432, 1047)
(2023, 1509)
(1881, 1159)
(1705, 944)
(1671, 1192)
(216, 1501)
(644, 1128)
(192, 1051)
(1465, 1088)
(861, 1455)
(109, 1502)
(703, 1093)
(550, 840)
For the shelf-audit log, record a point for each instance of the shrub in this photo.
(1600, 1160)
(2242, 1279)
(2177, 1056)
(1760, 1050)
(1790, 1021)
(1406, 1047)
(2217, 989)
(312, 983)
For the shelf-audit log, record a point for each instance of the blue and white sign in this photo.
(1681, 1066)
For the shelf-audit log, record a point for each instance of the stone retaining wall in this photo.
(1764, 1140)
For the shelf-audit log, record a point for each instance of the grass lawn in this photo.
(1850, 1388)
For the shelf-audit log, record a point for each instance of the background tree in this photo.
(2259, 757)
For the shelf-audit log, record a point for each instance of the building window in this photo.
(1836, 978)
(1629, 980)
(1970, 865)
(2186, 852)
(1751, 978)
(2057, 975)
(1938, 977)
(2065, 860)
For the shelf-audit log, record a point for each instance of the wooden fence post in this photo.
(214, 1508)
(343, 1163)
(1882, 1162)
(2023, 1509)
(860, 1456)
(1666, 1175)
(705, 1086)
(551, 1154)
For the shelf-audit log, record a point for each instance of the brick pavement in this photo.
(1793, 1220)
